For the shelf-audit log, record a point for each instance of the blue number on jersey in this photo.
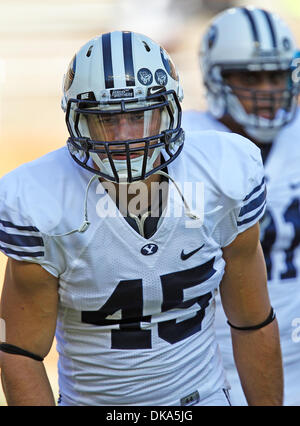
(128, 297)
(291, 215)
(268, 230)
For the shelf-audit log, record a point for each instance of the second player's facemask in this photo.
(261, 113)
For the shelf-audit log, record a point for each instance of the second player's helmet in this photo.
(117, 76)
(249, 39)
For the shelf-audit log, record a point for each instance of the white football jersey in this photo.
(280, 238)
(135, 323)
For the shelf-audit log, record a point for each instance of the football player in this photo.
(246, 60)
(130, 291)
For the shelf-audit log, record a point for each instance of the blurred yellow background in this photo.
(39, 38)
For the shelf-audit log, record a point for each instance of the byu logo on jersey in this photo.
(149, 249)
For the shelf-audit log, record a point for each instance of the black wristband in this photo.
(270, 318)
(15, 350)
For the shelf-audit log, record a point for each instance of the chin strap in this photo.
(85, 224)
(188, 211)
(140, 222)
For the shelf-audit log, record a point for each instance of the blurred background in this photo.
(39, 38)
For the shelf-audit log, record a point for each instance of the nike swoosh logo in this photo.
(185, 256)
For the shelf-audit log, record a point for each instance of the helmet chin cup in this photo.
(262, 135)
(136, 165)
(258, 128)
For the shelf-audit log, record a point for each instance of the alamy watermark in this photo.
(296, 330)
(156, 199)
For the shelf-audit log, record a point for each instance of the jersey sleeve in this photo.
(21, 240)
(252, 207)
(245, 195)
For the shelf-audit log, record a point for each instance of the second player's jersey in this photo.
(135, 323)
(280, 238)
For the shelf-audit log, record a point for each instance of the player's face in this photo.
(124, 127)
(260, 92)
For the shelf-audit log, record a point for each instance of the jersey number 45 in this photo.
(128, 299)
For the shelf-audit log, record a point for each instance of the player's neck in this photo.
(233, 126)
(137, 197)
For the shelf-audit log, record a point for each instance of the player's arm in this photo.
(29, 308)
(246, 303)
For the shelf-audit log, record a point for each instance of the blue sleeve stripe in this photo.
(254, 204)
(256, 189)
(250, 219)
(19, 227)
(21, 240)
(22, 253)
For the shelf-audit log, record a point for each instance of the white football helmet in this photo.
(249, 39)
(115, 76)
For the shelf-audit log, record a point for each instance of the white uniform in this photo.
(135, 323)
(280, 237)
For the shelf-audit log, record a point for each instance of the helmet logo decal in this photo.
(89, 96)
(161, 77)
(168, 64)
(286, 43)
(70, 74)
(128, 58)
(145, 76)
(211, 36)
(149, 249)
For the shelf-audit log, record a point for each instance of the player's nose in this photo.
(266, 84)
(123, 128)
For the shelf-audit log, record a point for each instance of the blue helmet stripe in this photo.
(252, 23)
(271, 27)
(107, 61)
(128, 58)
